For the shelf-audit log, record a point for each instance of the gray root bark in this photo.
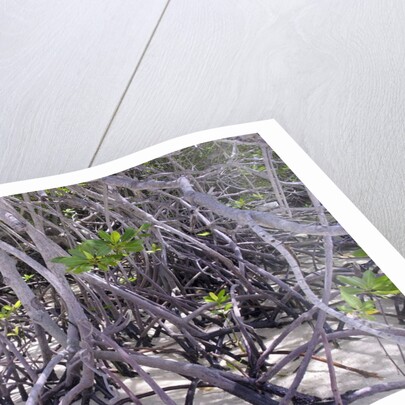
(33, 398)
(221, 379)
(373, 328)
(197, 198)
(35, 309)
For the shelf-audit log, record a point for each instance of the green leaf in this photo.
(224, 299)
(135, 246)
(88, 255)
(80, 269)
(144, 235)
(384, 283)
(368, 306)
(115, 237)
(142, 228)
(206, 233)
(369, 277)
(353, 290)
(74, 262)
(104, 236)
(17, 304)
(354, 281)
(95, 246)
(71, 261)
(352, 300)
(221, 294)
(58, 259)
(109, 260)
(384, 293)
(77, 253)
(213, 296)
(128, 234)
(15, 332)
(154, 248)
(345, 308)
(103, 267)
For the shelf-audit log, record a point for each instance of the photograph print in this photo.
(210, 275)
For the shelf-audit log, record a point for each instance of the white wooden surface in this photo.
(330, 71)
(64, 66)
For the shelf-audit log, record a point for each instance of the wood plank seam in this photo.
(128, 85)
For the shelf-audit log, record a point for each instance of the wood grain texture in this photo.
(331, 72)
(63, 68)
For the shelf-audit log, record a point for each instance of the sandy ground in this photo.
(364, 353)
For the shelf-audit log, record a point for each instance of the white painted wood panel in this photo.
(330, 71)
(64, 66)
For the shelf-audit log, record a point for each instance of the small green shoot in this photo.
(8, 310)
(368, 285)
(239, 203)
(122, 280)
(59, 191)
(206, 233)
(223, 306)
(15, 332)
(69, 212)
(259, 168)
(154, 248)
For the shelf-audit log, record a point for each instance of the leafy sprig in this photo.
(221, 300)
(107, 251)
(7, 310)
(370, 285)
